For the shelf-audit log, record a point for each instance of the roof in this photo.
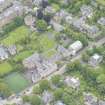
(47, 97)
(73, 82)
(86, 10)
(5, 4)
(101, 21)
(96, 56)
(58, 27)
(77, 45)
(90, 99)
(3, 52)
(1, 1)
(59, 103)
(33, 58)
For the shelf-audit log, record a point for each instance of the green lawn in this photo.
(21, 56)
(5, 68)
(16, 82)
(15, 36)
(50, 53)
(102, 2)
(47, 43)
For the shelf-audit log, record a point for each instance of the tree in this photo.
(74, 66)
(25, 98)
(56, 80)
(18, 21)
(85, 57)
(67, 99)
(41, 25)
(36, 90)
(101, 89)
(4, 90)
(58, 93)
(35, 100)
(44, 85)
(101, 79)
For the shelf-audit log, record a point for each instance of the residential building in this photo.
(59, 103)
(12, 49)
(47, 97)
(69, 19)
(86, 11)
(32, 61)
(3, 53)
(95, 59)
(72, 82)
(4, 4)
(39, 66)
(57, 27)
(29, 20)
(101, 21)
(10, 13)
(49, 10)
(63, 51)
(75, 47)
(90, 99)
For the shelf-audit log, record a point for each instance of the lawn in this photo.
(21, 56)
(5, 68)
(15, 36)
(47, 43)
(102, 2)
(16, 82)
(50, 53)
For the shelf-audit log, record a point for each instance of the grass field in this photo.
(47, 43)
(102, 2)
(50, 53)
(16, 36)
(5, 68)
(21, 56)
(16, 82)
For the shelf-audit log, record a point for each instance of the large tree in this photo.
(41, 25)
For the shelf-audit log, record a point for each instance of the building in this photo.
(101, 102)
(75, 47)
(59, 103)
(29, 20)
(32, 61)
(12, 49)
(46, 68)
(69, 19)
(95, 59)
(60, 15)
(72, 82)
(78, 23)
(49, 10)
(86, 11)
(101, 21)
(92, 30)
(3, 53)
(47, 97)
(4, 4)
(57, 27)
(10, 13)
(39, 66)
(38, 2)
(90, 99)
(63, 51)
